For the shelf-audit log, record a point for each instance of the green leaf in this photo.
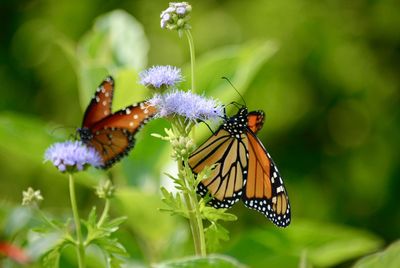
(215, 233)
(174, 203)
(100, 236)
(115, 43)
(92, 218)
(178, 182)
(111, 246)
(115, 262)
(214, 214)
(325, 245)
(210, 261)
(204, 174)
(117, 40)
(52, 259)
(388, 258)
(334, 244)
(113, 224)
(49, 246)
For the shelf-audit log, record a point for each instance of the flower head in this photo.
(160, 77)
(31, 197)
(71, 156)
(176, 16)
(191, 106)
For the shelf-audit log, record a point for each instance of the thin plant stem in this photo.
(199, 223)
(105, 213)
(80, 246)
(197, 231)
(45, 219)
(192, 57)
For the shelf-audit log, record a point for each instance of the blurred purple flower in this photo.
(160, 77)
(72, 155)
(187, 104)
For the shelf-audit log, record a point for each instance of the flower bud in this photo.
(31, 197)
(105, 189)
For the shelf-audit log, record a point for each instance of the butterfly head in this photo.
(85, 134)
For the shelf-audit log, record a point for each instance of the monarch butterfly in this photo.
(112, 134)
(242, 168)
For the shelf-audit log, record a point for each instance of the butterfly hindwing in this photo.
(265, 191)
(112, 144)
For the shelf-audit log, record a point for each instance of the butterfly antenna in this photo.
(208, 126)
(229, 81)
(60, 127)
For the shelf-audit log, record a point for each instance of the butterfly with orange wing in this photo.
(112, 134)
(242, 168)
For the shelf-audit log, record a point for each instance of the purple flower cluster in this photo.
(161, 77)
(187, 104)
(72, 155)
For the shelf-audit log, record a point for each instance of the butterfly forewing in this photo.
(132, 118)
(100, 105)
(226, 181)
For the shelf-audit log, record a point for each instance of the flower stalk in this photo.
(104, 215)
(80, 243)
(192, 57)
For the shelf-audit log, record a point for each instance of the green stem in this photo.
(192, 57)
(80, 246)
(193, 222)
(45, 219)
(105, 213)
(190, 196)
(199, 222)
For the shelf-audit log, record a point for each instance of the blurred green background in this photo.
(325, 72)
